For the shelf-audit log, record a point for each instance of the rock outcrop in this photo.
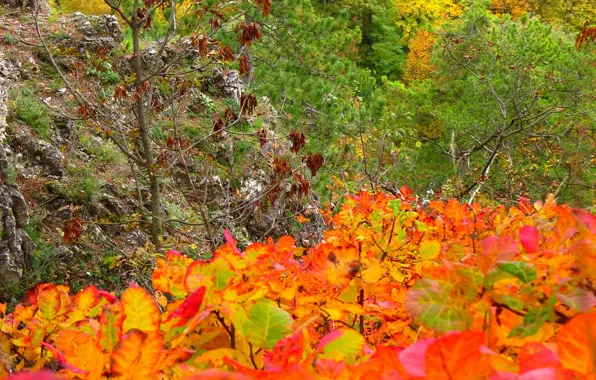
(43, 5)
(94, 32)
(15, 244)
(229, 83)
(8, 74)
(38, 153)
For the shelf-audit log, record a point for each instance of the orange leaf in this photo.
(137, 355)
(48, 300)
(140, 310)
(301, 219)
(495, 249)
(577, 344)
(172, 357)
(82, 351)
(110, 329)
(65, 301)
(456, 356)
(87, 298)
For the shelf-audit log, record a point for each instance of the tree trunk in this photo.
(143, 106)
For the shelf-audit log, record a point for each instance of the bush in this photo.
(33, 113)
(475, 292)
(84, 185)
(104, 152)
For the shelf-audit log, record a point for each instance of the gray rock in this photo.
(97, 235)
(8, 74)
(136, 238)
(15, 244)
(42, 4)
(63, 254)
(94, 32)
(19, 206)
(229, 83)
(39, 152)
(112, 204)
(65, 129)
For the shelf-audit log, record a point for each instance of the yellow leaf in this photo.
(373, 274)
(430, 249)
(289, 293)
(215, 357)
(397, 275)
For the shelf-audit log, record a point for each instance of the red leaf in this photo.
(587, 219)
(188, 309)
(413, 357)
(330, 368)
(108, 296)
(231, 241)
(535, 355)
(529, 238)
(286, 353)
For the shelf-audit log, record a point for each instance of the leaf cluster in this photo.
(469, 290)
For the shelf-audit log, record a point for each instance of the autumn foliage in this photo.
(396, 290)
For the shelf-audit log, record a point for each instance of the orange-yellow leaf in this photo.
(48, 300)
(456, 356)
(373, 274)
(577, 344)
(137, 355)
(87, 298)
(110, 329)
(82, 351)
(141, 311)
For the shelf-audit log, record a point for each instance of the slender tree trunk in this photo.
(155, 208)
(143, 105)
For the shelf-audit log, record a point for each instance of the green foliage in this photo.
(510, 83)
(386, 56)
(104, 152)
(83, 186)
(33, 112)
(104, 72)
(10, 40)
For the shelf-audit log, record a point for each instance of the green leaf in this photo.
(534, 319)
(526, 272)
(511, 302)
(347, 347)
(434, 308)
(263, 324)
(221, 274)
(401, 234)
(395, 205)
(430, 249)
